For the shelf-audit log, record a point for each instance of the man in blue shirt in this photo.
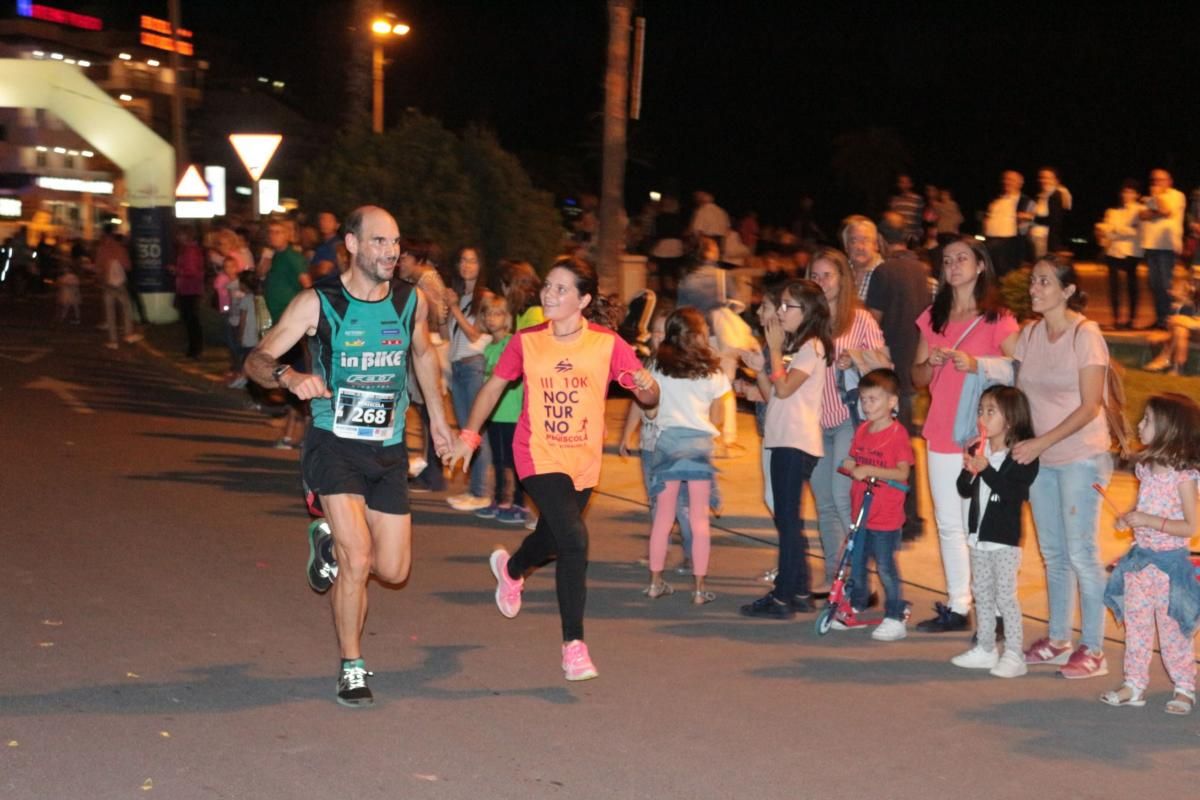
(325, 257)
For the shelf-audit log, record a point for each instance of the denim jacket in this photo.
(1184, 603)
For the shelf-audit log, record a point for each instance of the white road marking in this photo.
(64, 391)
(25, 355)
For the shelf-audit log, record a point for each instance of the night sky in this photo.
(749, 99)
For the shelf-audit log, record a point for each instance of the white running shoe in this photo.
(468, 502)
(890, 630)
(1010, 665)
(977, 658)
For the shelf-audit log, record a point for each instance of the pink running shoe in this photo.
(508, 590)
(1044, 652)
(1084, 664)
(576, 662)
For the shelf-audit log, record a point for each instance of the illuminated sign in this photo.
(76, 185)
(26, 8)
(268, 196)
(10, 207)
(156, 33)
(255, 150)
(162, 26)
(191, 185)
(193, 209)
(215, 177)
(167, 43)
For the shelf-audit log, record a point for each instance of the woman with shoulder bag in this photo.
(965, 324)
(1064, 365)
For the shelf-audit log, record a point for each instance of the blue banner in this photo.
(152, 249)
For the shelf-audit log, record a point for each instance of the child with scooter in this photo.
(881, 450)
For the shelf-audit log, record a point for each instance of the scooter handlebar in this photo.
(903, 487)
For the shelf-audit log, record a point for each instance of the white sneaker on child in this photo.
(1010, 665)
(890, 630)
(976, 658)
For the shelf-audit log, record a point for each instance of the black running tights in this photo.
(560, 535)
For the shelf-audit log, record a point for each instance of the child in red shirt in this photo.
(881, 449)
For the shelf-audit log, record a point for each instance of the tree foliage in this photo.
(456, 190)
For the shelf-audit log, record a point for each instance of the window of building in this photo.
(69, 162)
(42, 159)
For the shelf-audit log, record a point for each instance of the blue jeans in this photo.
(880, 546)
(1067, 512)
(466, 379)
(790, 469)
(832, 492)
(1161, 266)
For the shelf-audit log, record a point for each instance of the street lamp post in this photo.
(381, 29)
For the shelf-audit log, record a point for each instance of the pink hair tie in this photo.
(470, 438)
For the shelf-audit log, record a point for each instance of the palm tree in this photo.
(358, 65)
(612, 179)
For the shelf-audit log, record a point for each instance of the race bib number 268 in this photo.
(366, 416)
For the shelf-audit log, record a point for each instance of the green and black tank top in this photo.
(361, 350)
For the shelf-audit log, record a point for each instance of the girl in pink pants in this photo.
(1155, 581)
(691, 388)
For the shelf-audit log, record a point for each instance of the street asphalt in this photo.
(159, 638)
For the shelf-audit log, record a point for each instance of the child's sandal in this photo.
(1115, 698)
(702, 598)
(1181, 704)
(657, 590)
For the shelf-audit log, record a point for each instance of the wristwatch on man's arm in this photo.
(278, 372)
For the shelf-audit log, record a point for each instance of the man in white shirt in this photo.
(1162, 239)
(1120, 234)
(709, 219)
(1008, 220)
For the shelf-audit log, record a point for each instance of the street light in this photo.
(382, 27)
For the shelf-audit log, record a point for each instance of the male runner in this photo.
(361, 329)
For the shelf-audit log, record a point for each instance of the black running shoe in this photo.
(946, 621)
(769, 607)
(353, 691)
(803, 603)
(322, 568)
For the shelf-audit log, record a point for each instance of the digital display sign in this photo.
(156, 33)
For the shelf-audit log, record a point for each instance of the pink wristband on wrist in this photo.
(470, 438)
(777, 374)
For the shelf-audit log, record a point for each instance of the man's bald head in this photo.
(354, 222)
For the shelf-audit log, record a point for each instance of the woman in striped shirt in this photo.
(858, 347)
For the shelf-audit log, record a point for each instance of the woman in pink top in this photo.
(567, 364)
(1064, 359)
(189, 287)
(965, 322)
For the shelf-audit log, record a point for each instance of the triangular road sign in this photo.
(255, 150)
(191, 185)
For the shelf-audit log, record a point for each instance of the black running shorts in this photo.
(331, 465)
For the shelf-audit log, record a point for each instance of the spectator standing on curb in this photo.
(1162, 239)
(1120, 235)
(1007, 222)
(285, 278)
(112, 265)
